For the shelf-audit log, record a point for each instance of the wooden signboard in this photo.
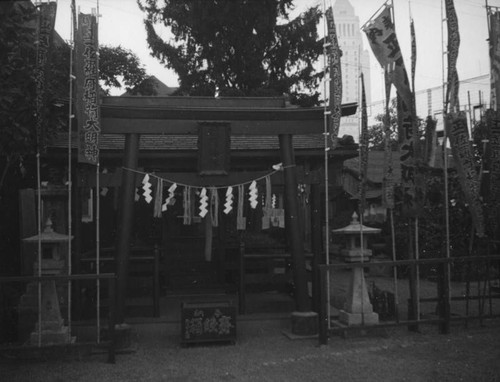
(208, 322)
(214, 144)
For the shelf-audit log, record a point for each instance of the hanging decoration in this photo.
(253, 194)
(266, 219)
(241, 222)
(170, 198)
(203, 202)
(214, 206)
(147, 189)
(137, 196)
(228, 205)
(209, 199)
(186, 200)
(158, 198)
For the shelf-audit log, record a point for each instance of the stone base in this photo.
(305, 323)
(356, 319)
(123, 336)
(52, 337)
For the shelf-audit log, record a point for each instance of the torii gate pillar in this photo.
(125, 223)
(304, 321)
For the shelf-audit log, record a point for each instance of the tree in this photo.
(376, 135)
(237, 48)
(17, 84)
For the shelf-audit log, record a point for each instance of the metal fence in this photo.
(445, 298)
(22, 282)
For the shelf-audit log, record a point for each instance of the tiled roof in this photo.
(112, 142)
(375, 171)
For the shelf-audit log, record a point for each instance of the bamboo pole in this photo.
(326, 135)
(70, 185)
(39, 207)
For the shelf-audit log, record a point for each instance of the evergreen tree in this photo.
(237, 47)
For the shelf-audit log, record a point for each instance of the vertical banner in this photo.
(416, 140)
(453, 45)
(363, 149)
(429, 155)
(388, 179)
(493, 120)
(45, 32)
(494, 42)
(87, 92)
(461, 148)
(413, 54)
(381, 34)
(335, 78)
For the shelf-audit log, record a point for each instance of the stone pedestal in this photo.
(358, 310)
(304, 323)
(52, 329)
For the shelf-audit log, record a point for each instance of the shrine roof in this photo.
(189, 143)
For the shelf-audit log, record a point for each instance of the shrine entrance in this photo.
(205, 146)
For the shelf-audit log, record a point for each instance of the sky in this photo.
(121, 23)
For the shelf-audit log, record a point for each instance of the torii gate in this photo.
(134, 116)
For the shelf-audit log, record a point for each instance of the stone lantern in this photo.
(357, 310)
(53, 262)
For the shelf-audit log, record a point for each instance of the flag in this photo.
(461, 148)
(87, 89)
(416, 140)
(494, 41)
(381, 34)
(335, 78)
(453, 45)
(413, 54)
(363, 150)
(388, 179)
(429, 155)
(493, 121)
(45, 33)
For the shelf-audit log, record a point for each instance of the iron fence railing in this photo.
(443, 297)
(110, 278)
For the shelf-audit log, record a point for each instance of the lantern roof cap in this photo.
(48, 235)
(355, 227)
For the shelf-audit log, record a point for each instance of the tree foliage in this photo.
(237, 48)
(17, 83)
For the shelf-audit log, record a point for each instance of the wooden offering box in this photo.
(208, 322)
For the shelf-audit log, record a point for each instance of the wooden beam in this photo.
(161, 116)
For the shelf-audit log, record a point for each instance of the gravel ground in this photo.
(263, 353)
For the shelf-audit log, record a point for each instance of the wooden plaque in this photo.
(214, 145)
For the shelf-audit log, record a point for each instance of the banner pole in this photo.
(326, 135)
(70, 185)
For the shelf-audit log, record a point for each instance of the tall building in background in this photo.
(354, 60)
